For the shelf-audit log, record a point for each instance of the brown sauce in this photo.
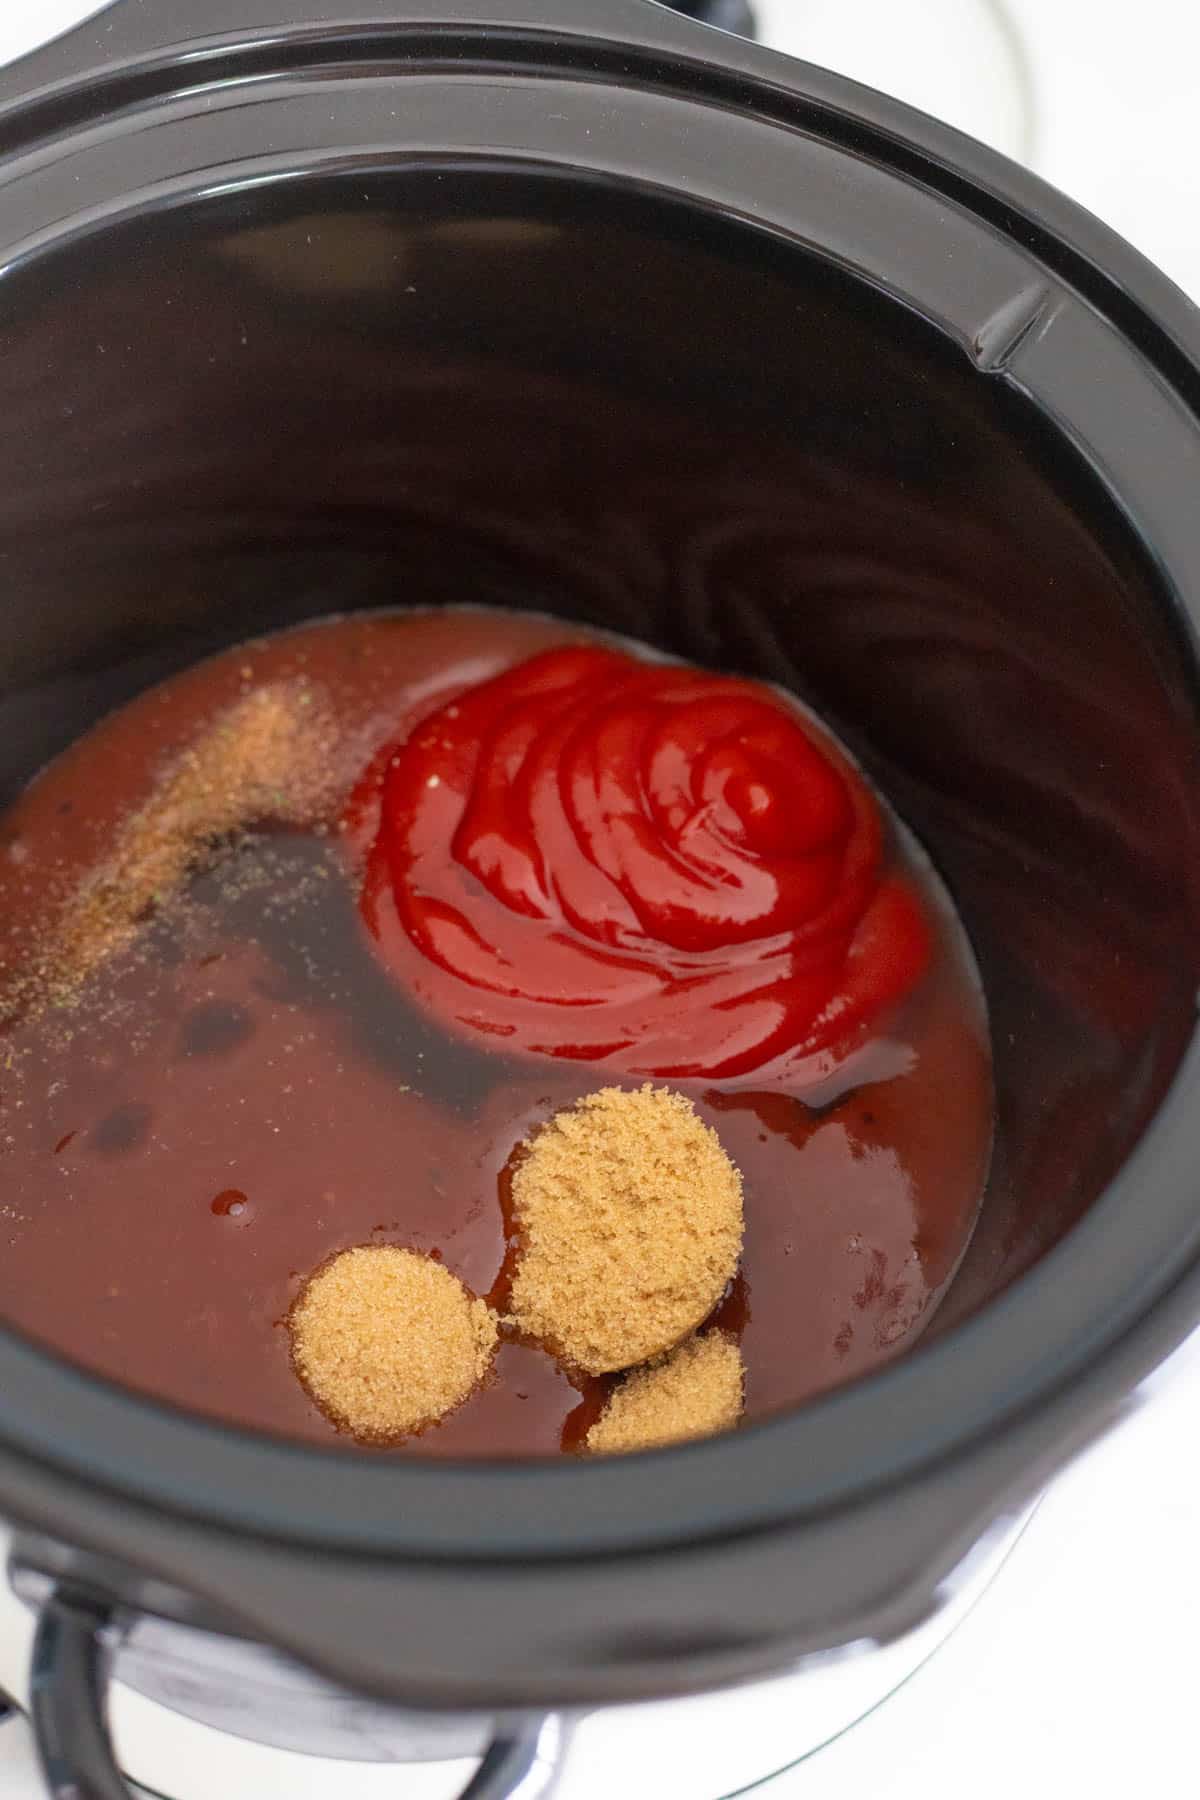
(240, 1093)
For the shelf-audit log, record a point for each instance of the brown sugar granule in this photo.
(689, 1393)
(387, 1341)
(268, 755)
(629, 1222)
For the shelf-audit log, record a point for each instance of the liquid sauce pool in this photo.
(243, 1090)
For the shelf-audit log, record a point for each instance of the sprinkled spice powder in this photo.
(690, 1393)
(268, 756)
(388, 1341)
(629, 1216)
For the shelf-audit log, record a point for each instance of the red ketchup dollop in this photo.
(637, 864)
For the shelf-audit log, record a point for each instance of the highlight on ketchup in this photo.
(637, 864)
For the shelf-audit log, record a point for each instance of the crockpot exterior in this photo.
(495, 1586)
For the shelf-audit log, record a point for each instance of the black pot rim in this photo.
(1050, 299)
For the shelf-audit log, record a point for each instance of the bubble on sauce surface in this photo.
(231, 1203)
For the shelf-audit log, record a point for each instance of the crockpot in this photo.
(581, 305)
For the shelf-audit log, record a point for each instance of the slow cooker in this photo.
(584, 306)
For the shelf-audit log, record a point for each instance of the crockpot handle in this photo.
(68, 1687)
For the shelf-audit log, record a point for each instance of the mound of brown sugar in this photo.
(629, 1223)
(689, 1393)
(387, 1341)
(268, 755)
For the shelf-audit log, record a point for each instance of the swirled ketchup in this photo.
(637, 864)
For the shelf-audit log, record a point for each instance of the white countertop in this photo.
(1075, 1672)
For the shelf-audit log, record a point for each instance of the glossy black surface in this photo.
(647, 326)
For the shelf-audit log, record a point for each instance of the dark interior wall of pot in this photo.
(472, 385)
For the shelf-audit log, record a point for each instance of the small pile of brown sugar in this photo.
(692, 1392)
(268, 755)
(387, 1341)
(629, 1223)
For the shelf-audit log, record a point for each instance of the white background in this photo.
(1077, 1671)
